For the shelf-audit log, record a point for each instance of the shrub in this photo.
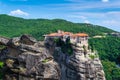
(1, 73)
(2, 47)
(92, 56)
(1, 64)
(45, 60)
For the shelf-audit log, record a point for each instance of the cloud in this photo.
(77, 16)
(87, 6)
(88, 15)
(111, 22)
(83, 17)
(97, 15)
(86, 21)
(114, 13)
(105, 0)
(109, 19)
(18, 12)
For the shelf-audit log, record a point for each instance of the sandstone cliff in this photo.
(28, 59)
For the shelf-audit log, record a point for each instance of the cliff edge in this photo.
(56, 58)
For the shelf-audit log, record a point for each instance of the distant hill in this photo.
(13, 26)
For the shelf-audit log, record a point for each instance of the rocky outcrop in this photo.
(28, 59)
(4, 40)
(83, 64)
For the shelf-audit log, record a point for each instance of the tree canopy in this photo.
(13, 26)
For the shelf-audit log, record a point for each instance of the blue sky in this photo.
(98, 12)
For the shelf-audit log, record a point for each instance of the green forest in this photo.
(108, 48)
(13, 26)
(109, 52)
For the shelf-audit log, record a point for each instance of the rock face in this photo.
(28, 59)
(82, 64)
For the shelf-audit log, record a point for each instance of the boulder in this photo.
(4, 40)
(27, 39)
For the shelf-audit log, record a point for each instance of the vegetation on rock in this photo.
(2, 47)
(45, 60)
(1, 66)
(65, 46)
(93, 56)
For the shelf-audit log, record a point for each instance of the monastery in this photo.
(78, 38)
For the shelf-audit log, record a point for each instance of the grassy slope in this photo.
(12, 26)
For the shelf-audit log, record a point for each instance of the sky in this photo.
(98, 12)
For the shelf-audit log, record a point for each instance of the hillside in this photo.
(108, 47)
(13, 26)
(109, 52)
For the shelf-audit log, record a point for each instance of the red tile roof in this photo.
(68, 33)
(81, 34)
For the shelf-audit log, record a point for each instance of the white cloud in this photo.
(105, 0)
(83, 17)
(98, 15)
(109, 19)
(114, 12)
(111, 22)
(18, 12)
(85, 6)
(87, 21)
(89, 14)
(77, 16)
